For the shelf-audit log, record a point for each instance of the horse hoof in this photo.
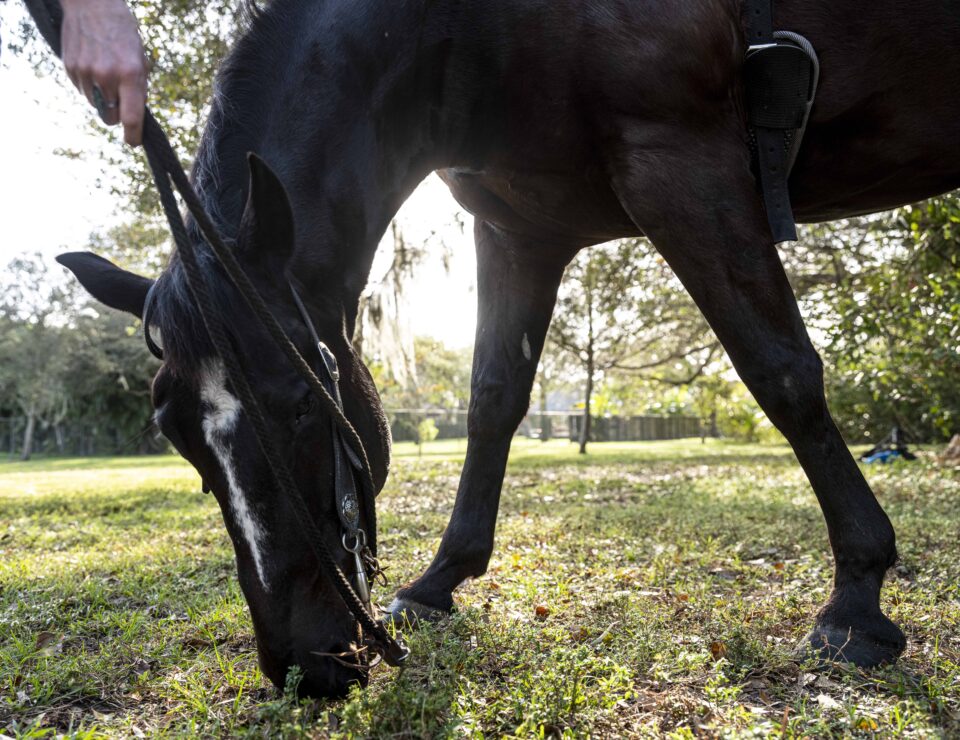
(829, 644)
(405, 613)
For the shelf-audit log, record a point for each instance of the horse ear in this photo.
(266, 229)
(109, 284)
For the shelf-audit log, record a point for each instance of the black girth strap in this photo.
(779, 77)
(759, 22)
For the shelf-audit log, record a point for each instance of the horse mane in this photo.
(236, 118)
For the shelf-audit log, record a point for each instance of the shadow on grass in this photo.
(44, 464)
(774, 456)
(121, 508)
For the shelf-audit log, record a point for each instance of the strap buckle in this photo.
(329, 361)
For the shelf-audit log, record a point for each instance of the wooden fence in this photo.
(452, 424)
(636, 428)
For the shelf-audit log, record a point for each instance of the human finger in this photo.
(133, 99)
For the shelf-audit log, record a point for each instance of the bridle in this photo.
(350, 458)
(346, 462)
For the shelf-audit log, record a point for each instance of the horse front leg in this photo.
(517, 280)
(694, 196)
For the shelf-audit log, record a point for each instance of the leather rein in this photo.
(350, 459)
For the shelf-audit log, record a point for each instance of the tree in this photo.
(61, 361)
(621, 310)
(426, 432)
(35, 361)
(443, 378)
(892, 322)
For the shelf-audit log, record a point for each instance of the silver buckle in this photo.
(360, 583)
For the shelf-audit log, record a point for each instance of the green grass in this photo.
(647, 589)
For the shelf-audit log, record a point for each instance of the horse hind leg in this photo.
(693, 194)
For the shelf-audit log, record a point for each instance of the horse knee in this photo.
(790, 391)
(496, 409)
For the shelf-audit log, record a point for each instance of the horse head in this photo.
(298, 616)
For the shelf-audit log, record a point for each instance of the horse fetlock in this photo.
(870, 558)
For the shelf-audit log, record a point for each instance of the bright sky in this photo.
(49, 203)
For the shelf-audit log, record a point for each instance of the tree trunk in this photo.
(545, 426)
(28, 436)
(58, 436)
(585, 427)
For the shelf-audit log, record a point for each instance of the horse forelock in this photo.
(177, 322)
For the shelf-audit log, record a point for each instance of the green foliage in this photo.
(893, 346)
(881, 293)
(443, 374)
(88, 375)
(426, 432)
(621, 309)
(725, 407)
(442, 378)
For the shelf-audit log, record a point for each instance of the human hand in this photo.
(104, 58)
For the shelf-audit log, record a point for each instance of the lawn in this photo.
(646, 589)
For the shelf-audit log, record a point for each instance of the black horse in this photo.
(558, 124)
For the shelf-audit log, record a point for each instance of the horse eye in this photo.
(305, 406)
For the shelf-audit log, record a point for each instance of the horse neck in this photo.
(346, 109)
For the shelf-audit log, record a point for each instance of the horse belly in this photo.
(572, 210)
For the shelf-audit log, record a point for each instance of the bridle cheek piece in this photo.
(345, 461)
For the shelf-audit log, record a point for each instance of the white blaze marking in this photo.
(525, 346)
(219, 421)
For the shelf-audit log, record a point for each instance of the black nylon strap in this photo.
(759, 22)
(344, 484)
(772, 156)
(771, 114)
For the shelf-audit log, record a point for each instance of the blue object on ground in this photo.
(884, 456)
